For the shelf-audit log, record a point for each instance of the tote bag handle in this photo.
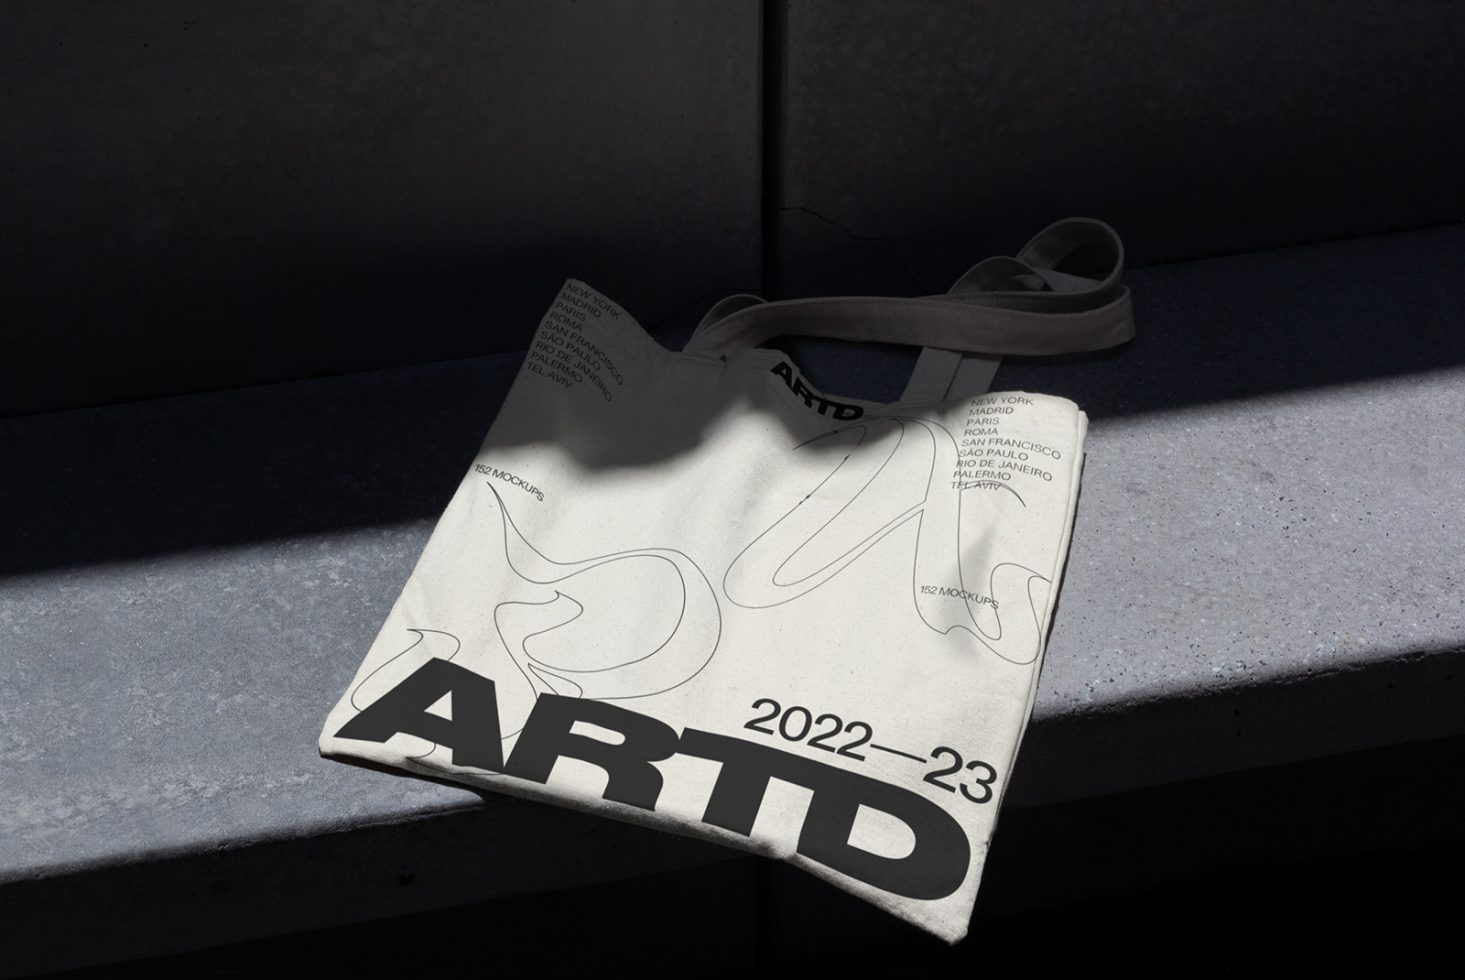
(1059, 295)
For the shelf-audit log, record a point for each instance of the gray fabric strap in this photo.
(1060, 294)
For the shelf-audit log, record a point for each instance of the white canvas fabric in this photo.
(686, 589)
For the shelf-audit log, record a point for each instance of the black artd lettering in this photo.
(812, 398)
(935, 868)
(547, 738)
(472, 734)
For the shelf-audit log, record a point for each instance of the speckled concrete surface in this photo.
(167, 702)
(1246, 543)
(173, 702)
(1258, 582)
(187, 584)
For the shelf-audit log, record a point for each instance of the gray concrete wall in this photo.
(198, 196)
(917, 138)
(204, 196)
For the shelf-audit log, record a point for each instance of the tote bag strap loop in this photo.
(1060, 294)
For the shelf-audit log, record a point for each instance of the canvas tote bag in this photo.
(690, 590)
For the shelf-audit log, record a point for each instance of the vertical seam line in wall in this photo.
(774, 62)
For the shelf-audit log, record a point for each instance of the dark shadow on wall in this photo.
(199, 198)
(1210, 330)
(383, 447)
(1198, 129)
(163, 324)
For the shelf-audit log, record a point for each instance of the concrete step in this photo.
(187, 584)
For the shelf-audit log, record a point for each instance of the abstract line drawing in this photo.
(630, 624)
(676, 659)
(891, 470)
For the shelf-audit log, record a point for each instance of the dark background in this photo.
(1343, 865)
(198, 196)
(205, 196)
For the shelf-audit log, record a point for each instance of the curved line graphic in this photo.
(525, 666)
(997, 485)
(757, 577)
(673, 661)
(680, 657)
(743, 579)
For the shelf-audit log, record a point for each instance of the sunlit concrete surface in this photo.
(188, 584)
